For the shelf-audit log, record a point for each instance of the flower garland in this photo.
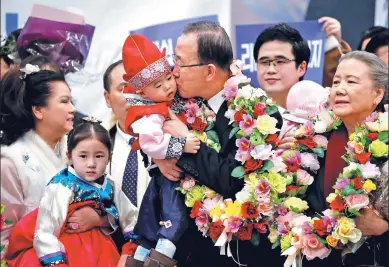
(3, 223)
(298, 234)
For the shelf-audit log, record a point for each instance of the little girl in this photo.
(151, 91)
(83, 183)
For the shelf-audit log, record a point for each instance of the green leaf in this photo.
(267, 165)
(276, 244)
(302, 190)
(335, 213)
(322, 240)
(383, 137)
(349, 190)
(296, 210)
(7, 221)
(319, 151)
(210, 126)
(213, 136)
(2, 208)
(354, 212)
(233, 132)
(255, 238)
(238, 172)
(271, 109)
(2, 248)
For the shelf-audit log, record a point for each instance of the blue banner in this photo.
(165, 35)
(309, 30)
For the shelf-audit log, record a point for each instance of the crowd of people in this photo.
(80, 192)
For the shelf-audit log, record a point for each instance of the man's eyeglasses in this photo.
(185, 66)
(276, 62)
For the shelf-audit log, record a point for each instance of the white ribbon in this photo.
(293, 259)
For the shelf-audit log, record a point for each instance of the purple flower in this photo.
(243, 145)
(247, 124)
(263, 187)
(309, 160)
(234, 223)
(230, 92)
(306, 227)
(282, 230)
(294, 158)
(281, 210)
(340, 184)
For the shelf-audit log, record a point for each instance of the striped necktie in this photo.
(130, 176)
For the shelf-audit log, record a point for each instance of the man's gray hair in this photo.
(378, 71)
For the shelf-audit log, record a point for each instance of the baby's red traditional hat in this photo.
(143, 62)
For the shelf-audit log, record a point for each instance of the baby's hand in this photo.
(192, 144)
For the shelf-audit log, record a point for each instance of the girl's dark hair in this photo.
(88, 130)
(17, 97)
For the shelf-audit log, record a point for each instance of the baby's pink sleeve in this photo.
(154, 142)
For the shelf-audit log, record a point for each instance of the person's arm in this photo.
(154, 142)
(11, 196)
(52, 214)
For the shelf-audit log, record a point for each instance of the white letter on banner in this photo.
(315, 46)
(248, 55)
(168, 44)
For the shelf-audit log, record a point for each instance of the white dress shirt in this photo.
(216, 101)
(121, 151)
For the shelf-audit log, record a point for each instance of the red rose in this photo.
(272, 139)
(363, 157)
(216, 229)
(252, 165)
(182, 117)
(244, 232)
(261, 227)
(320, 227)
(195, 209)
(198, 125)
(308, 142)
(338, 204)
(357, 183)
(372, 136)
(249, 211)
(291, 167)
(291, 187)
(238, 117)
(259, 109)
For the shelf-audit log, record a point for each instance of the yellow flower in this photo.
(209, 193)
(369, 186)
(331, 197)
(196, 193)
(266, 124)
(296, 203)
(233, 209)
(358, 147)
(216, 211)
(299, 132)
(201, 136)
(345, 231)
(277, 182)
(351, 137)
(380, 125)
(273, 235)
(253, 178)
(286, 242)
(378, 149)
(332, 241)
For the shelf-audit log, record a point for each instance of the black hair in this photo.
(284, 33)
(107, 75)
(41, 62)
(8, 50)
(213, 44)
(370, 33)
(18, 95)
(88, 130)
(381, 39)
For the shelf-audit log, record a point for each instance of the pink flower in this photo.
(314, 248)
(285, 219)
(309, 160)
(243, 145)
(242, 156)
(230, 90)
(321, 141)
(188, 184)
(303, 177)
(357, 202)
(248, 124)
(191, 111)
(308, 128)
(211, 116)
(234, 223)
(306, 227)
(294, 158)
(341, 183)
(2, 222)
(263, 187)
(371, 118)
(265, 208)
(202, 219)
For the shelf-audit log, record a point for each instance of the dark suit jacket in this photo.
(214, 169)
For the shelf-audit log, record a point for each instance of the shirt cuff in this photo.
(175, 148)
(331, 43)
(114, 226)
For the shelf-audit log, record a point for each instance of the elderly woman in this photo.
(36, 113)
(360, 87)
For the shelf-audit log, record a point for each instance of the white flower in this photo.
(258, 92)
(230, 113)
(369, 170)
(246, 92)
(262, 152)
(352, 167)
(243, 196)
(279, 165)
(320, 127)
(309, 160)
